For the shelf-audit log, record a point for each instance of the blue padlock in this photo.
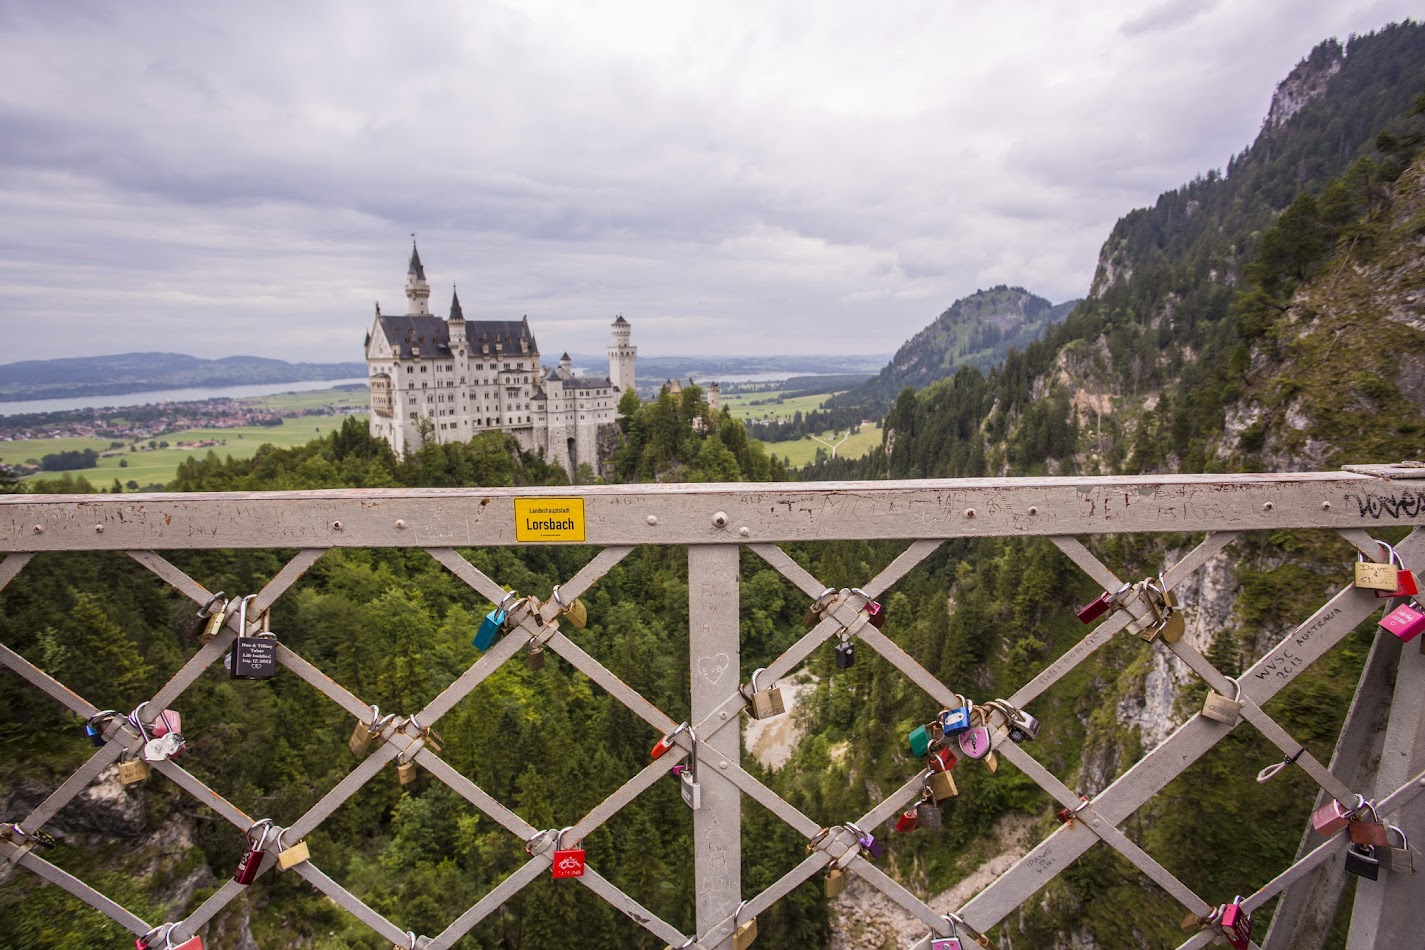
(94, 728)
(956, 720)
(490, 626)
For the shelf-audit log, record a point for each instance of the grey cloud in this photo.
(1167, 15)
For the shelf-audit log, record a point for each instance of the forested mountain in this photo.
(138, 372)
(977, 331)
(1268, 317)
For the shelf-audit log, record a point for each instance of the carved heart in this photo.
(711, 668)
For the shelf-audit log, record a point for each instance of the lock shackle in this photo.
(817, 838)
(1404, 841)
(168, 937)
(136, 720)
(954, 921)
(411, 939)
(102, 716)
(760, 669)
(559, 837)
(160, 930)
(694, 754)
(266, 825)
(537, 836)
(505, 599)
(1237, 687)
(280, 845)
(207, 609)
(242, 614)
(557, 599)
(854, 828)
(737, 913)
(1366, 805)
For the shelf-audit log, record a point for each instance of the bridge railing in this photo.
(714, 523)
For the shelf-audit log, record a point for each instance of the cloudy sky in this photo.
(774, 177)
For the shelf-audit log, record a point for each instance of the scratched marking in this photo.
(711, 668)
(1284, 662)
(1407, 504)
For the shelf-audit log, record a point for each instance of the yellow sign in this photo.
(549, 519)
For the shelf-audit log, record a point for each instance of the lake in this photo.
(193, 394)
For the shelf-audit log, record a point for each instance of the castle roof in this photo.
(416, 268)
(565, 358)
(431, 335)
(455, 312)
(619, 321)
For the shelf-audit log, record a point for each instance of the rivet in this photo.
(652, 519)
(98, 529)
(1033, 510)
(336, 525)
(969, 512)
(744, 531)
(1326, 506)
(1267, 506)
(722, 765)
(400, 522)
(726, 931)
(1097, 822)
(39, 529)
(720, 519)
(722, 715)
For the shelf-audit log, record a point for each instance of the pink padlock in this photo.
(975, 742)
(1237, 925)
(1332, 817)
(1406, 621)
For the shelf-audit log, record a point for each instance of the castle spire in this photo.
(417, 290)
(456, 314)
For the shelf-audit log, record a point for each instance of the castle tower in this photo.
(621, 356)
(457, 318)
(417, 290)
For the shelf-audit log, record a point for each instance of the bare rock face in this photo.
(1304, 83)
(106, 807)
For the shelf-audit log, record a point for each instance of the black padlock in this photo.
(1361, 861)
(845, 654)
(253, 657)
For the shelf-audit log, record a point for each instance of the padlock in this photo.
(491, 625)
(1066, 815)
(942, 759)
(1237, 925)
(688, 786)
(405, 771)
(1369, 831)
(975, 742)
(845, 653)
(215, 614)
(1333, 816)
(835, 882)
(534, 657)
(1096, 608)
(1373, 575)
(575, 610)
(951, 942)
(1221, 709)
(410, 943)
(170, 720)
(818, 607)
(876, 614)
(194, 942)
(868, 842)
(927, 814)
(251, 861)
(1172, 627)
(363, 735)
(566, 862)
(908, 821)
(151, 940)
(1023, 727)
(413, 728)
(253, 657)
(1405, 585)
(956, 720)
(1361, 861)
(94, 727)
(1399, 860)
(743, 933)
(161, 750)
(293, 856)
(664, 744)
(766, 703)
(132, 770)
(919, 740)
(942, 785)
(1406, 621)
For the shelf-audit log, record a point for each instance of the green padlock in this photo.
(919, 742)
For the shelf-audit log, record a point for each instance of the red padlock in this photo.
(908, 821)
(566, 862)
(1096, 608)
(944, 759)
(1405, 585)
(251, 861)
(170, 720)
(666, 743)
(876, 614)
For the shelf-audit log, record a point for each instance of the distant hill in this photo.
(138, 372)
(977, 331)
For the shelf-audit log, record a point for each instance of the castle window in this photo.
(413, 415)
(423, 367)
(411, 384)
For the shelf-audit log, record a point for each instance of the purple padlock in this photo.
(1406, 621)
(975, 742)
(873, 847)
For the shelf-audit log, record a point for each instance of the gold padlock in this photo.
(215, 618)
(1221, 709)
(133, 770)
(406, 772)
(1371, 575)
(364, 734)
(745, 934)
(835, 882)
(293, 856)
(766, 703)
(575, 610)
(942, 785)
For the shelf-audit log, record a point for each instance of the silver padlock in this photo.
(1399, 860)
(765, 703)
(688, 782)
(1221, 709)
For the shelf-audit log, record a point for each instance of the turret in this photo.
(417, 290)
(457, 316)
(621, 356)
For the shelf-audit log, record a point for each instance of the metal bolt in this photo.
(400, 522)
(1033, 510)
(1267, 506)
(1326, 506)
(336, 525)
(722, 765)
(744, 531)
(39, 529)
(98, 529)
(722, 715)
(652, 519)
(720, 519)
(969, 512)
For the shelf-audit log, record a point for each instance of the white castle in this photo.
(446, 380)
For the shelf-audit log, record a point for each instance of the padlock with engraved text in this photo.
(765, 703)
(1361, 861)
(928, 813)
(1333, 816)
(1373, 575)
(251, 861)
(744, 933)
(845, 653)
(688, 786)
(405, 771)
(818, 607)
(170, 720)
(253, 657)
(835, 882)
(942, 759)
(1237, 925)
(364, 733)
(291, 857)
(1370, 830)
(1399, 860)
(132, 770)
(566, 862)
(575, 610)
(1406, 621)
(1221, 709)
(490, 627)
(941, 784)
(1405, 585)
(215, 614)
